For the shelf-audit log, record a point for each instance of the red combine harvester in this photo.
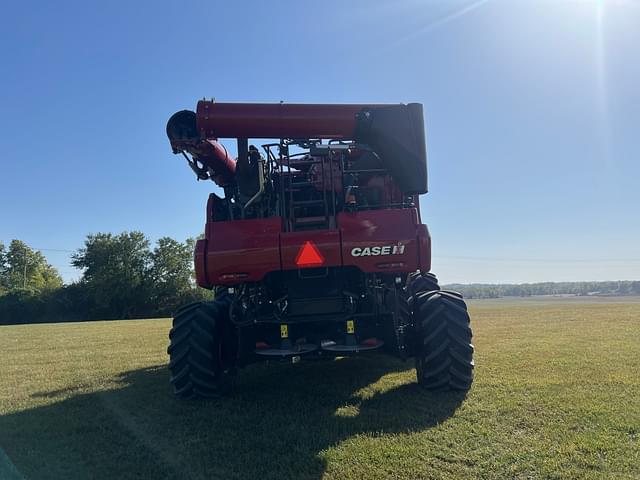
(317, 247)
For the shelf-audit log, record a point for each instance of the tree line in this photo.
(122, 277)
(481, 290)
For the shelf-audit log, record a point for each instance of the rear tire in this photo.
(444, 353)
(202, 350)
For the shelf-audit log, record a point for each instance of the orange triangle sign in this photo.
(309, 256)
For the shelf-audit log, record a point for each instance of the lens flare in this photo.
(433, 25)
(601, 84)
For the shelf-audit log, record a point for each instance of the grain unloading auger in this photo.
(316, 248)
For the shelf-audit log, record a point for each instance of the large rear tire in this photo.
(202, 350)
(444, 353)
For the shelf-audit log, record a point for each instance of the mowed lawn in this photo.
(556, 395)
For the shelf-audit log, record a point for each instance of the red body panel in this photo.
(246, 250)
(277, 120)
(242, 250)
(200, 260)
(380, 240)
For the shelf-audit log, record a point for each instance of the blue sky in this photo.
(532, 114)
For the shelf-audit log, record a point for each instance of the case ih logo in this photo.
(378, 251)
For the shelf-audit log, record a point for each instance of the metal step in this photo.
(306, 203)
(295, 350)
(301, 184)
(311, 220)
(369, 344)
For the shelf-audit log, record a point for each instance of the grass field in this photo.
(557, 395)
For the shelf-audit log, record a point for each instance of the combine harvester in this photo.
(317, 247)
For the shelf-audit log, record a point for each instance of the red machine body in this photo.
(316, 247)
(382, 238)
(319, 225)
(380, 241)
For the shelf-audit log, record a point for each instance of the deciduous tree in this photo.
(116, 273)
(24, 268)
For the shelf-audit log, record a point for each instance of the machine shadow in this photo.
(276, 425)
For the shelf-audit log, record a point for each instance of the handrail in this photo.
(260, 190)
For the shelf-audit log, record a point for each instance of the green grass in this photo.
(557, 395)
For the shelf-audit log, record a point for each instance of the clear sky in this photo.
(532, 113)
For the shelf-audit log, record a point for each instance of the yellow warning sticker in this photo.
(284, 331)
(350, 326)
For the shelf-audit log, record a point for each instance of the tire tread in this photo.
(444, 356)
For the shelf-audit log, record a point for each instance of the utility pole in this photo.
(24, 283)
